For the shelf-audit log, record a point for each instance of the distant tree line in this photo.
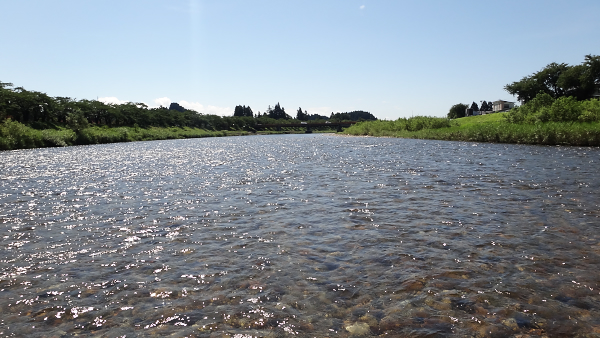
(357, 115)
(40, 111)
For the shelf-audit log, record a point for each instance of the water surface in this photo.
(300, 235)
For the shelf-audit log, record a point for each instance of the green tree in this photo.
(243, 111)
(278, 112)
(176, 106)
(592, 63)
(457, 110)
(76, 120)
(575, 82)
(545, 80)
(360, 115)
(558, 80)
(300, 115)
(485, 106)
(340, 117)
(238, 111)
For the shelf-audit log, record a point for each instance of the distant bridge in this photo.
(308, 126)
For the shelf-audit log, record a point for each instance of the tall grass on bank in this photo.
(96, 135)
(544, 108)
(491, 128)
(15, 135)
(392, 128)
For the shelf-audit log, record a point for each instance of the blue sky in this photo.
(391, 58)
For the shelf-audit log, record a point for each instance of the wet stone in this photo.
(463, 305)
(525, 323)
(412, 285)
(359, 312)
(358, 329)
(574, 302)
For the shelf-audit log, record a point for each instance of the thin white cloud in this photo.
(163, 101)
(362, 7)
(207, 110)
(111, 99)
(166, 102)
(325, 111)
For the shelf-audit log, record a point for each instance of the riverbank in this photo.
(490, 128)
(15, 135)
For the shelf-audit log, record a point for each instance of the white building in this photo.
(501, 105)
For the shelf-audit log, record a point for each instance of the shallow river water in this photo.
(300, 235)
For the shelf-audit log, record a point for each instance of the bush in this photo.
(543, 108)
(15, 135)
(457, 111)
(58, 138)
(591, 111)
(565, 109)
(530, 112)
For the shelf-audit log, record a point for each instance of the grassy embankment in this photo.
(484, 128)
(15, 135)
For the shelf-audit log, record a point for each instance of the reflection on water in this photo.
(307, 235)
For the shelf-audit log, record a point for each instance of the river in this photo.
(300, 235)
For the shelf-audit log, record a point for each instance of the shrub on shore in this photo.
(390, 128)
(543, 108)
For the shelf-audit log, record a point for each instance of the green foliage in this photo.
(590, 111)
(243, 111)
(543, 108)
(33, 119)
(526, 112)
(491, 128)
(389, 128)
(16, 135)
(558, 80)
(176, 106)
(564, 109)
(277, 113)
(58, 138)
(76, 121)
(457, 111)
(300, 115)
(356, 115)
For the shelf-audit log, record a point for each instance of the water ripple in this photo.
(299, 235)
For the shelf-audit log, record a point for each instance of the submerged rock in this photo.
(358, 329)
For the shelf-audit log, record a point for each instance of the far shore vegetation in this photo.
(485, 128)
(31, 119)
